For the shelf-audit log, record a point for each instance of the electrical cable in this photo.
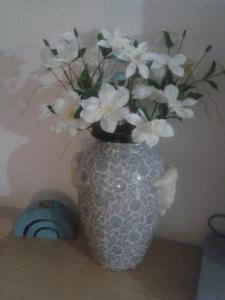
(212, 226)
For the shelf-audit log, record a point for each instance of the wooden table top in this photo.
(63, 270)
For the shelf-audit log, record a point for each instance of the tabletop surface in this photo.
(39, 269)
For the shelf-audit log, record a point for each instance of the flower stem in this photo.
(71, 76)
(98, 67)
(67, 77)
(207, 50)
(182, 41)
(59, 80)
(154, 110)
(213, 76)
(195, 67)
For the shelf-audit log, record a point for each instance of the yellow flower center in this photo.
(107, 109)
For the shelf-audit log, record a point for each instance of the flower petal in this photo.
(81, 124)
(180, 59)
(142, 47)
(137, 135)
(143, 70)
(107, 93)
(159, 60)
(109, 124)
(121, 97)
(142, 91)
(184, 113)
(90, 101)
(103, 43)
(72, 130)
(152, 140)
(48, 59)
(188, 102)
(164, 129)
(58, 106)
(171, 92)
(91, 113)
(159, 73)
(134, 119)
(122, 113)
(131, 69)
(106, 34)
(60, 127)
(176, 70)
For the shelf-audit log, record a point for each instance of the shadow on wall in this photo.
(28, 162)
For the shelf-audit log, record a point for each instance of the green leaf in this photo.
(85, 81)
(54, 51)
(98, 83)
(168, 41)
(92, 92)
(144, 109)
(81, 52)
(185, 87)
(163, 111)
(118, 76)
(211, 70)
(212, 84)
(168, 79)
(195, 96)
(135, 43)
(154, 83)
(77, 113)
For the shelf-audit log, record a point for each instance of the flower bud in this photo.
(46, 43)
(208, 48)
(75, 32)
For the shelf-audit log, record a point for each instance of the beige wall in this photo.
(29, 154)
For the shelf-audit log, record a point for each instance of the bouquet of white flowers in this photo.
(120, 90)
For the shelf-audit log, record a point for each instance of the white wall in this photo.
(29, 154)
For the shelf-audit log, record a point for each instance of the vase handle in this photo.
(167, 186)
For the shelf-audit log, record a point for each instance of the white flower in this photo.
(109, 107)
(66, 107)
(67, 53)
(171, 92)
(175, 64)
(137, 57)
(48, 59)
(67, 37)
(149, 131)
(113, 40)
(142, 91)
(159, 62)
(70, 127)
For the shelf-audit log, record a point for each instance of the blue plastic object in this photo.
(47, 218)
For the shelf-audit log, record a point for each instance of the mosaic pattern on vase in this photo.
(119, 205)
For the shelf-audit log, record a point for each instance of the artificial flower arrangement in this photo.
(120, 90)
